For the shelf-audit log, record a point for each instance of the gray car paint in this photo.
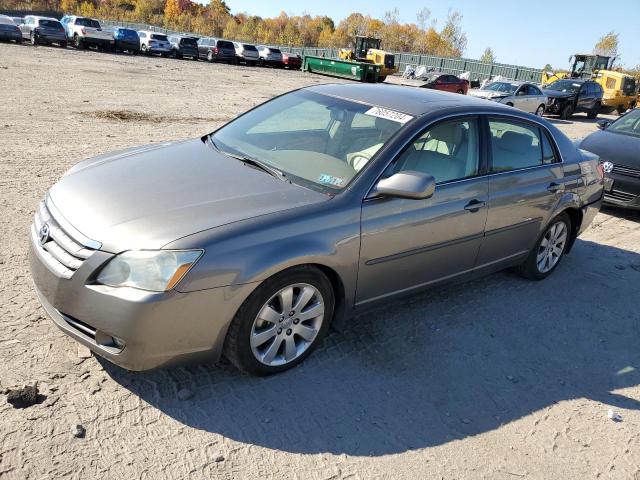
(175, 196)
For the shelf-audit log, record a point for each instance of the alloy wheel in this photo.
(551, 247)
(540, 111)
(287, 324)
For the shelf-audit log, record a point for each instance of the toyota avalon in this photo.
(251, 241)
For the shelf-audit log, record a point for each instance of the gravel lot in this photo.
(499, 379)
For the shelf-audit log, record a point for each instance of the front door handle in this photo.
(474, 205)
(556, 187)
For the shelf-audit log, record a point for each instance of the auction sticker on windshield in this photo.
(389, 114)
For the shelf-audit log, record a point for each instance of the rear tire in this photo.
(238, 347)
(77, 42)
(33, 39)
(460, 91)
(210, 57)
(549, 249)
(540, 110)
(593, 113)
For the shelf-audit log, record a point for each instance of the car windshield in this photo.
(564, 86)
(49, 23)
(88, 22)
(628, 124)
(315, 140)
(158, 36)
(504, 87)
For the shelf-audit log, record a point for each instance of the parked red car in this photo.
(447, 83)
(292, 60)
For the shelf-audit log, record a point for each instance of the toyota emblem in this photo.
(607, 167)
(44, 234)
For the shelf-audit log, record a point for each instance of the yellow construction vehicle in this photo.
(368, 50)
(619, 88)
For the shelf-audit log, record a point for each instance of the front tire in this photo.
(593, 113)
(566, 113)
(33, 39)
(281, 322)
(548, 251)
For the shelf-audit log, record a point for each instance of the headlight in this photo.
(154, 270)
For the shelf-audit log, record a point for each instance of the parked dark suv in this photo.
(569, 96)
(215, 50)
(184, 46)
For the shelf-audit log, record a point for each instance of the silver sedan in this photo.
(521, 95)
(250, 242)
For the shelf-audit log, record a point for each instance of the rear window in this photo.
(249, 48)
(88, 22)
(191, 42)
(275, 50)
(158, 36)
(225, 44)
(129, 33)
(50, 23)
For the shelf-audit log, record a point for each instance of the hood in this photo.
(487, 94)
(617, 148)
(150, 196)
(557, 94)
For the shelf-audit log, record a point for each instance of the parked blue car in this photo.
(126, 39)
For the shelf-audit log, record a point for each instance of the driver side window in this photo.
(448, 151)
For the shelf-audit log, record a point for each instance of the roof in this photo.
(411, 100)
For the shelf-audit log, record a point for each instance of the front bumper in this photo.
(625, 191)
(135, 329)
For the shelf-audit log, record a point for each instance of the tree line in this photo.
(426, 35)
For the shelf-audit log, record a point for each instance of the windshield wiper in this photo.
(253, 162)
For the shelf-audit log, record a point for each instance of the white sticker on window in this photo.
(389, 114)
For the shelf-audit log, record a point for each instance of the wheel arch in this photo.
(575, 215)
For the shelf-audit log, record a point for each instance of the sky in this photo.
(530, 33)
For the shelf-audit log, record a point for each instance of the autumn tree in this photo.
(488, 56)
(607, 45)
(172, 11)
(218, 13)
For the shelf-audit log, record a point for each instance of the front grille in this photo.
(620, 196)
(60, 252)
(627, 171)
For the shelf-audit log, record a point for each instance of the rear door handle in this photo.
(556, 187)
(474, 205)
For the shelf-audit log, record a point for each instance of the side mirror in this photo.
(602, 124)
(409, 184)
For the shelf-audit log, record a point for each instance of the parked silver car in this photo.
(271, 56)
(43, 30)
(251, 241)
(246, 53)
(522, 95)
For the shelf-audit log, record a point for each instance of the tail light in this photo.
(83, 31)
(600, 170)
(215, 50)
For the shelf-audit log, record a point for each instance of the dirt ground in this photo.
(498, 379)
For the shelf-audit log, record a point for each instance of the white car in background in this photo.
(154, 42)
(521, 95)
